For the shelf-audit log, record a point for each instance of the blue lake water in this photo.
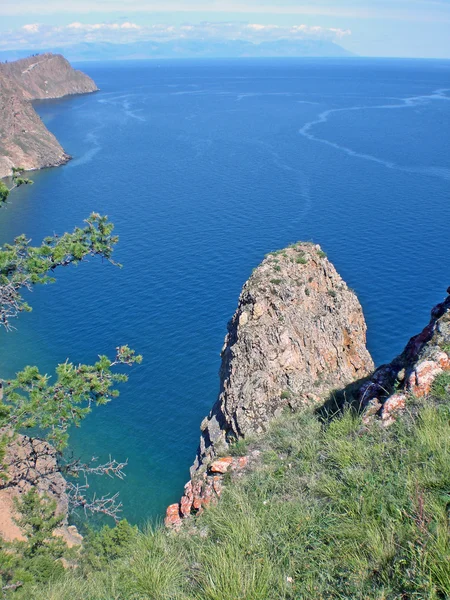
(205, 167)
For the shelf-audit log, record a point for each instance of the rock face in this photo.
(426, 355)
(206, 488)
(31, 462)
(24, 139)
(297, 334)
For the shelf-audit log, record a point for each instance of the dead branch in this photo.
(106, 505)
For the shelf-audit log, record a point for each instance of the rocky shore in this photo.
(24, 139)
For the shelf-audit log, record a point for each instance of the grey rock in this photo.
(297, 334)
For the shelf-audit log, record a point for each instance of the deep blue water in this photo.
(204, 167)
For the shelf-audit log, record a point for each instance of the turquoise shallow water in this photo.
(204, 167)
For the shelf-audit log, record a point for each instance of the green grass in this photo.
(239, 447)
(441, 385)
(333, 511)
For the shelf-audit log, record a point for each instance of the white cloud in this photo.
(36, 36)
(101, 26)
(31, 28)
(130, 26)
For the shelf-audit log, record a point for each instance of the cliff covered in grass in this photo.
(24, 139)
(330, 510)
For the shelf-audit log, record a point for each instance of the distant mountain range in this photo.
(189, 49)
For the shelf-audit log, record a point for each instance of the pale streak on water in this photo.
(409, 102)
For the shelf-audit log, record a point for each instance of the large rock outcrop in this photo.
(298, 333)
(24, 139)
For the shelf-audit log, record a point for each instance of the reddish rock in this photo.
(421, 380)
(217, 485)
(242, 462)
(221, 465)
(173, 518)
(392, 407)
(197, 504)
(443, 361)
(209, 495)
(413, 371)
(186, 505)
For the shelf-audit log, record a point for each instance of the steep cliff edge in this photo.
(24, 139)
(297, 334)
(426, 356)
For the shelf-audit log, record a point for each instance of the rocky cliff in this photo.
(297, 334)
(24, 139)
(32, 462)
(426, 356)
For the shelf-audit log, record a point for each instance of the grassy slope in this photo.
(333, 511)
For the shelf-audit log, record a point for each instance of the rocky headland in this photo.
(297, 334)
(24, 139)
(298, 338)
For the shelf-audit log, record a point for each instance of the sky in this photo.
(400, 28)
